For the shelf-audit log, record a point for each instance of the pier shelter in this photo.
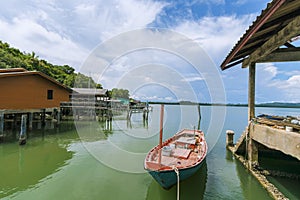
(25, 90)
(272, 37)
(88, 103)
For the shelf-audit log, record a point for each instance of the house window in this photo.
(50, 94)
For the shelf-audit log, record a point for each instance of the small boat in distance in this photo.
(177, 158)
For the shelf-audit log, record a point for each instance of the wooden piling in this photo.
(43, 118)
(251, 91)
(1, 126)
(199, 114)
(30, 119)
(229, 138)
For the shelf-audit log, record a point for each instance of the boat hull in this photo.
(185, 152)
(168, 178)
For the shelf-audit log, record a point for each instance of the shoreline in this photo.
(267, 105)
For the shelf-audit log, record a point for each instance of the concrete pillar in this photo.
(229, 138)
(251, 92)
(22, 137)
(58, 117)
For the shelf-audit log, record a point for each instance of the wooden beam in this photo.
(289, 45)
(282, 55)
(254, 28)
(288, 32)
(251, 92)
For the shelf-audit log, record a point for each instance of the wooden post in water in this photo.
(22, 137)
(251, 92)
(1, 126)
(30, 119)
(252, 149)
(199, 113)
(43, 118)
(161, 125)
(229, 138)
(161, 131)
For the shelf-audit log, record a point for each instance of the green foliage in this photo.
(119, 93)
(14, 58)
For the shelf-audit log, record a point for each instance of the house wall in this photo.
(30, 92)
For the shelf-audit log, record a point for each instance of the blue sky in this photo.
(68, 31)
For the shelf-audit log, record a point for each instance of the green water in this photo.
(87, 162)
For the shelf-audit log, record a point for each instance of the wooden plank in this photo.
(181, 153)
(290, 31)
(271, 122)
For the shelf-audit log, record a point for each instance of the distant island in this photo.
(272, 104)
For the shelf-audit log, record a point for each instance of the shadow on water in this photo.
(251, 188)
(192, 188)
(23, 167)
(282, 164)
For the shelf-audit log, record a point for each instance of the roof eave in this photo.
(252, 29)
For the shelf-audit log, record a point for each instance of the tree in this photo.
(14, 58)
(119, 93)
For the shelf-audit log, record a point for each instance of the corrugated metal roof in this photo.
(272, 19)
(9, 70)
(22, 72)
(90, 91)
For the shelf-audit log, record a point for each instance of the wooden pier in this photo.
(16, 123)
(139, 108)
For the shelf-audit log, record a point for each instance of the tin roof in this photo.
(90, 91)
(278, 15)
(23, 72)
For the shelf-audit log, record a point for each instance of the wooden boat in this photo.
(183, 153)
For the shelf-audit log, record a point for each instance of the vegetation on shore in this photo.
(273, 104)
(13, 58)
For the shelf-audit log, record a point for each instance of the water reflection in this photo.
(192, 188)
(137, 120)
(23, 167)
(250, 186)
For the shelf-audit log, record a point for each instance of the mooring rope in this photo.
(178, 186)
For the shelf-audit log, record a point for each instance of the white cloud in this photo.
(64, 32)
(217, 35)
(276, 84)
(30, 36)
(240, 2)
(293, 82)
(271, 69)
(290, 88)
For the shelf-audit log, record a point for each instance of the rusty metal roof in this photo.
(15, 72)
(90, 91)
(272, 19)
